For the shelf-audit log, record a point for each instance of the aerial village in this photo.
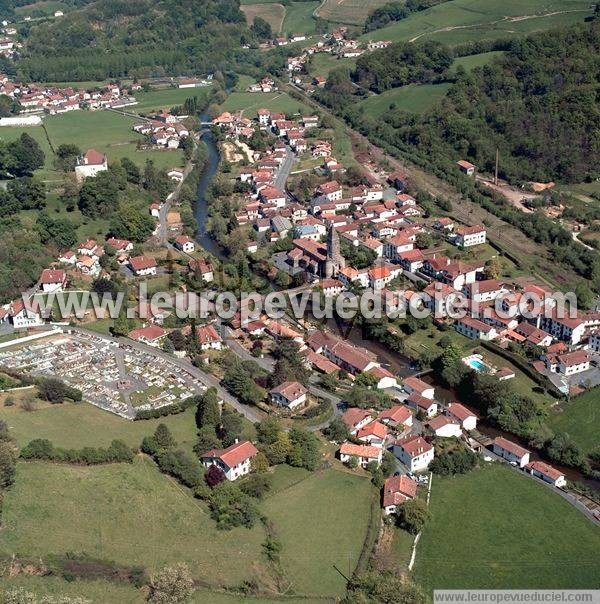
(410, 250)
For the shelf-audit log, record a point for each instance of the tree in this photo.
(256, 485)
(98, 196)
(493, 268)
(66, 157)
(337, 431)
(423, 241)
(386, 588)
(585, 296)
(208, 411)
(172, 584)
(304, 452)
(231, 426)
(214, 476)
(268, 431)
(52, 390)
(163, 437)
(8, 460)
(128, 222)
(27, 155)
(412, 516)
(207, 440)
(262, 30)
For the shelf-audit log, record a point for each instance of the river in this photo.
(201, 205)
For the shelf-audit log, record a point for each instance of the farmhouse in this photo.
(510, 451)
(414, 452)
(91, 164)
(470, 236)
(289, 394)
(546, 473)
(422, 403)
(466, 418)
(234, 461)
(444, 426)
(413, 385)
(185, 244)
(53, 280)
(143, 265)
(355, 419)
(365, 454)
(399, 415)
(151, 335)
(397, 490)
(374, 433)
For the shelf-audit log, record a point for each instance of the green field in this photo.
(460, 21)
(321, 522)
(165, 98)
(414, 98)
(495, 529)
(250, 102)
(271, 12)
(107, 132)
(322, 63)
(47, 7)
(580, 419)
(131, 514)
(79, 425)
(351, 12)
(472, 61)
(299, 18)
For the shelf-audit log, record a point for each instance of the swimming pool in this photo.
(476, 362)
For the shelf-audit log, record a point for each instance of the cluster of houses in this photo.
(267, 84)
(337, 44)
(164, 130)
(51, 99)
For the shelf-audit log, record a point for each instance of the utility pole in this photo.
(496, 172)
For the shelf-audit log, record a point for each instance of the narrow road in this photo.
(284, 169)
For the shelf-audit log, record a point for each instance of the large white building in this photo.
(91, 164)
(414, 452)
(510, 451)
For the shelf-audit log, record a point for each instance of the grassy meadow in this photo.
(272, 12)
(299, 18)
(460, 21)
(470, 62)
(496, 529)
(414, 98)
(350, 12)
(251, 102)
(321, 522)
(128, 513)
(580, 419)
(165, 98)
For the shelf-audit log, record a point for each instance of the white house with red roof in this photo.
(120, 246)
(470, 235)
(444, 427)
(152, 335)
(289, 394)
(91, 164)
(510, 451)
(53, 280)
(185, 244)
(466, 418)
(374, 433)
(547, 473)
(68, 257)
(475, 329)
(143, 265)
(397, 416)
(234, 461)
(413, 385)
(423, 404)
(396, 491)
(385, 378)
(365, 454)
(414, 452)
(208, 338)
(355, 419)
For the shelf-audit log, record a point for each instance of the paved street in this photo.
(284, 170)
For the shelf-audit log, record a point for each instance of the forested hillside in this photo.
(538, 104)
(115, 38)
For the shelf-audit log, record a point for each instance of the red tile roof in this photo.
(233, 455)
(353, 416)
(368, 451)
(50, 276)
(398, 489)
(150, 333)
(398, 414)
(290, 390)
(374, 428)
(414, 445)
(511, 447)
(139, 263)
(545, 469)
(94, 158)
(460, 411)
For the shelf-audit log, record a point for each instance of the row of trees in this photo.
(117, 452)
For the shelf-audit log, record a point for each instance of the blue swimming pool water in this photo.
(477, 365)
